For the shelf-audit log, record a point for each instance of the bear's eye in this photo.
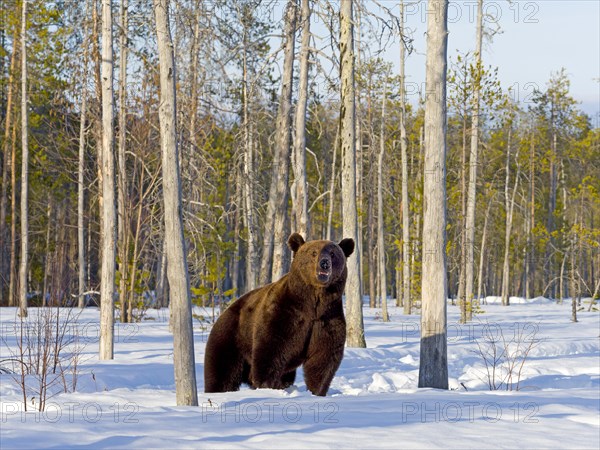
(314, 254)
(332, 254)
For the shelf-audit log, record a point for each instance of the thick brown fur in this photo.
(265, 335)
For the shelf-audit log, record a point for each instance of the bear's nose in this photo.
(324, 264)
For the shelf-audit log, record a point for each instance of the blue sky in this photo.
(536, 39)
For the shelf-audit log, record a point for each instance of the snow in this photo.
(373, 402)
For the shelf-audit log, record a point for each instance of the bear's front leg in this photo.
(267, 367)
(325, 354)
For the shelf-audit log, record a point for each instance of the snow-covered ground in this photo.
(373, 402)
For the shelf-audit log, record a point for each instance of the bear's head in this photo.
(320, 263)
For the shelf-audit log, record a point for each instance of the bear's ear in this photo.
(295, 241)
(347, 246)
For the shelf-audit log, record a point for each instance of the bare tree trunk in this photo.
(49, 253)
(108, 222)
(161, 284)
(550, 224)
(248, 177)
(283, 147)
(509, 205)
(572, 280)
(354, 316)
(80, 174)
(482, 251)
(407, 301)
(336, 144)
(23, 266)
(12, 284)
(177, 271)
(123, 231)
(472, 193)
(380, 224)
(359, 149)
(6, 164)
(300, 188)
(433, 369)
(531, 212)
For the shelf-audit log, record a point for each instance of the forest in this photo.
(259, 115)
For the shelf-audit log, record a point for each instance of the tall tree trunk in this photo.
(283, 147)
(300, 188)
(406, 298)
(529, 247)
(123, 230)
(371, 239)
(572, 278)
(23, 266)
(380, 224)
(81, 266)
(12, 284)
(161, 284)
(482, 251)
(177, 270)
(472, 193)
(336, 145)
(48, 260)
(550, 225)
(509, 205)
(248, 177)
(433, 368)
(6, 165)
(359, 149)
(108, 222)
(354, 315)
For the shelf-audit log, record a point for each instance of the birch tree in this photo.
(177, 270)
(24, 168)
(6, 164)
(123, 213)
(299, 187)
(509, 206)
(466, 305)
(81, 171)
(354, 315)
(433, 368)
(380, 224)
(279, 184)
(107, 169)
(406, 297)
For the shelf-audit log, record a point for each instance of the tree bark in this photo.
(300, 188)
(23, 266)
(12, 298)
(472, 192)
(433, 369)
(509, 205)
(177, 270)
(380, 223)
(6, 150)
(354, 315)
(336, 144)
(123, 230)
(80, 175)
(108, 222)
(482, 251)
(248, 177)
(283, 147)
(406, 298)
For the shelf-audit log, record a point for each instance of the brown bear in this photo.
(265, 335)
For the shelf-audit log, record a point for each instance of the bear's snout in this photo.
(324, 270)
